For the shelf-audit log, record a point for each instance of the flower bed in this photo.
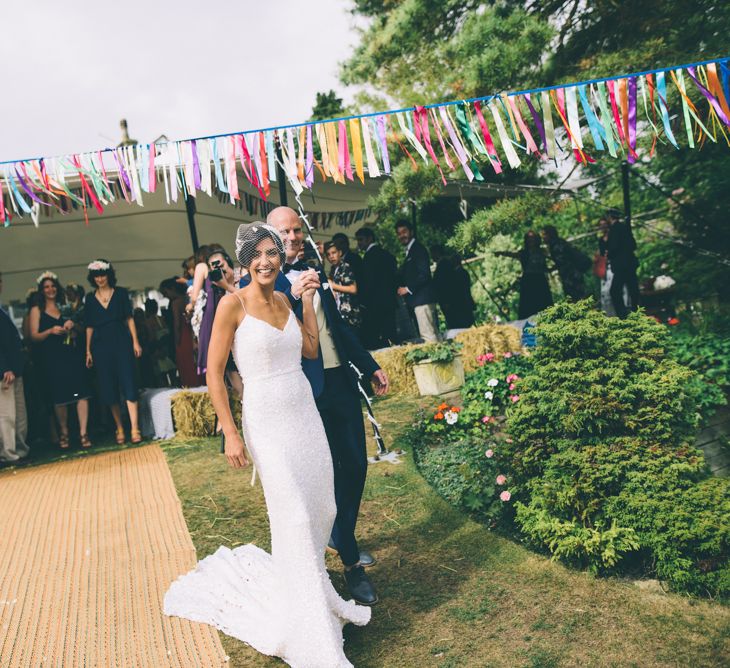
(593, 435)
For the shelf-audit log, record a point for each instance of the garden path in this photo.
(88, 548)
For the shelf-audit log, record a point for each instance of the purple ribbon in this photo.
(309, 167)
(28, 190)
(383, 143)
(122, 171)
(710, 97)
(632, 120)
(196, 165)
(536, 119)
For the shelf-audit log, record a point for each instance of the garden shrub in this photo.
(603, 470)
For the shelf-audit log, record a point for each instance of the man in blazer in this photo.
(377, 291)
(336, 391)
(415, 282)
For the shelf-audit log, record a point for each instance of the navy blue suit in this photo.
(338, 401)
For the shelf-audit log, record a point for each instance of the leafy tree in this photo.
(327, 105)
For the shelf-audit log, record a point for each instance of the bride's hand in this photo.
(235, 451)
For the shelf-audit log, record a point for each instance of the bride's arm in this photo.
(221, 338)
(310, 330)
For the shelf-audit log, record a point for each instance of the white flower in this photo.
(451, 417)
(489, 395)
(98, 265)
(45, 275)
(493, 382)
(663, 282)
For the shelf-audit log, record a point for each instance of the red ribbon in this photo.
(491, 150)
(421, 116)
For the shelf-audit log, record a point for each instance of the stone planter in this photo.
(439, 377)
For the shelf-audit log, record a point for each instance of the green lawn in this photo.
(452, 592)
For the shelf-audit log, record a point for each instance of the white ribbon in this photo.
(571, 108)
(373, 169)
(509, 151)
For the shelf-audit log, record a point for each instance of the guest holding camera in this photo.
(54, 333)
(219, 282)
(112, 344)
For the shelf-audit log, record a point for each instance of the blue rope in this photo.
(723, 61)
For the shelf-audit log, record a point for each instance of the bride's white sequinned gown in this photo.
(282, 604)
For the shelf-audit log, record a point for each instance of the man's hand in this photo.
(307, 280)
(8, 380)
(403, 292)
(380, 382)
(235, 452)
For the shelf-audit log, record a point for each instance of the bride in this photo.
(282, 604)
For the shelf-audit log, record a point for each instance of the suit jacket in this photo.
(355, 262)
(345, 339)
(11, 351)
(415, 274)
(378, 280)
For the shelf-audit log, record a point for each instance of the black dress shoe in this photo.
(366, 559)
(360, 586)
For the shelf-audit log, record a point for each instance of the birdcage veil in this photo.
(250, 235)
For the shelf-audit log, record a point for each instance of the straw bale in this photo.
(194, 416)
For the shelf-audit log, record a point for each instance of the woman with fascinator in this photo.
(112, 344)
(282, 604)
(62, 367)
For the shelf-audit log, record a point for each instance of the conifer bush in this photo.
(604, 471)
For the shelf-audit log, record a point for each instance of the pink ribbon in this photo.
(421, 116)
(614, 109)
(344, 149)
(152, 172)
(437, 127)
(196, 165)
(309, 166)
(460, 153)
(531, 146)
(491, 149)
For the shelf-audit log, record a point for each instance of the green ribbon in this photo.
(466, 131)
(606, 118)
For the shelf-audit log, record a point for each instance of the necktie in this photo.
(296, 266)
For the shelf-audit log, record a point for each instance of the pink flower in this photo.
(515, 398)
(501, 479)
(489, 357)
(507, 355)
(488, 418)
(505, 496)
(512, 387)
(489, 453)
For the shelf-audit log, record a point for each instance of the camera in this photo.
(216, 273)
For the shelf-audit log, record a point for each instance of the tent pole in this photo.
(190, 208)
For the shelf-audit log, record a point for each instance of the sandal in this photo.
(85, 442)
(63, 441)
(136, 436)
(120, 438)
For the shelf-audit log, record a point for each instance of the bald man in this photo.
(335, 388)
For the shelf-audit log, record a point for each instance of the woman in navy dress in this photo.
(112, 344)
(61, 361)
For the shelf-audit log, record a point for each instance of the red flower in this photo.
(673, 321)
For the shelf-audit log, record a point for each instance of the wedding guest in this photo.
(13, 419)
(188, 267)
(182, 334)
(377, 291)
(145, 362)
(53, 332)
(197, 291)
(344, 286)
(452, 285)
(415, 282)
(620, 247)
(535, 294)
(218, 282)
(571, 263)
(351, 257)
(75, 297)
(112, 345)
(158, 334)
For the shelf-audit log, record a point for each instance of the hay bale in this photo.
(194, 416)
(490, 338)
(393, 362)
(497, 339)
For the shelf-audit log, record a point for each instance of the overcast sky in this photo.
(73, 68)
